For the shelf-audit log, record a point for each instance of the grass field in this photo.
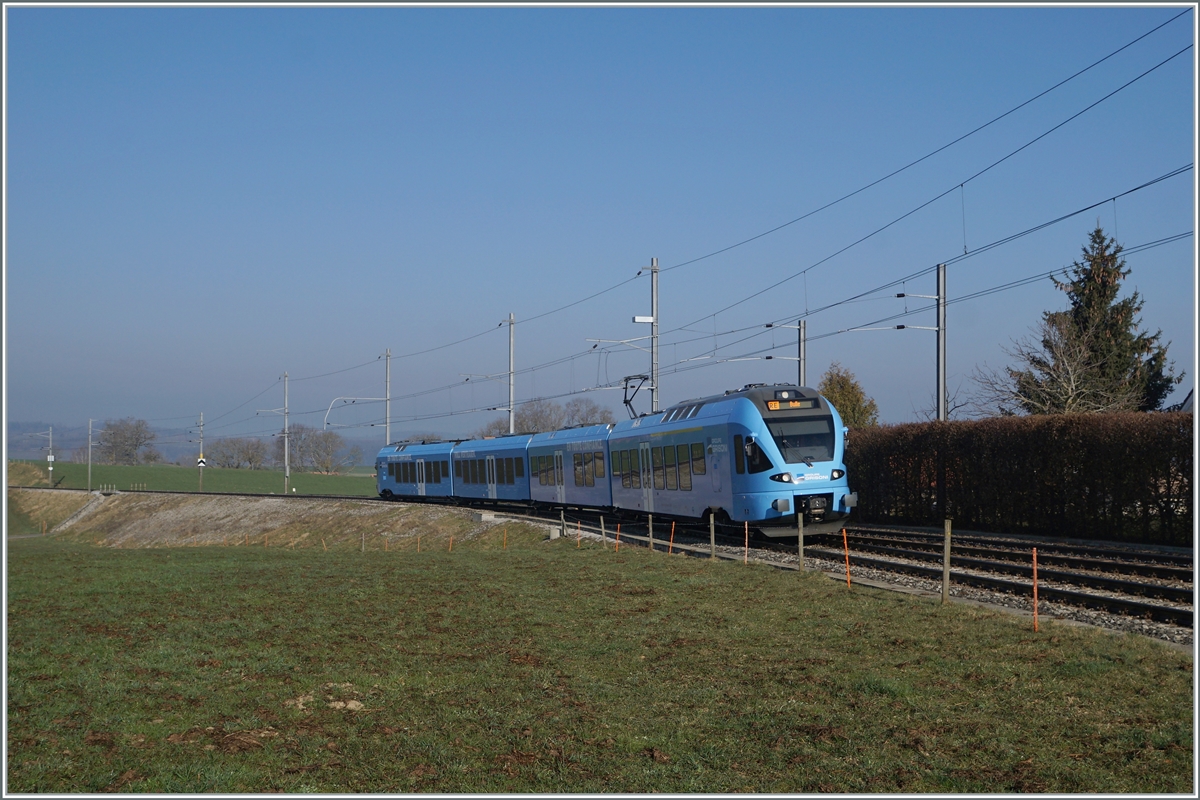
(169, 478)
(547, 668)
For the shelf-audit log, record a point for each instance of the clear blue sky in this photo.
(200, 199)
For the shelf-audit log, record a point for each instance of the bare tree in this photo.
(1061, 372)
(223, 453)
(299, 438)
(253, 453)
(536, 416)
(585, 411)
(322, 450)
(122, 441)
(955, 405)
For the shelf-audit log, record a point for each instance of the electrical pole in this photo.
(512, 420)
(200, 460)
(89, 456)
(387, 401)
(802, 351)
(654, 336)
(942, 400)
(50, 457)
(287, 472)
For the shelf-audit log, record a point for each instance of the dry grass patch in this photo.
(147, 520)
(29, 510)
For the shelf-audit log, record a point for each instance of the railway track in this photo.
(1097, 578)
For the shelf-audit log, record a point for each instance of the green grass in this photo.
(546, 668)
(164, 477)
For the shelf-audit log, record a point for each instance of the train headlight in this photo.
(838, 473)
(783, 477)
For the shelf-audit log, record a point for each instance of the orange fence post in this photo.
(846, 547)
(505, 537)
(672, 543)
(1035, 619)
(578, 533)
(323, 545)
(451, 550)
(617, 549)
(418, 543)
(746, 554)
(385, 541)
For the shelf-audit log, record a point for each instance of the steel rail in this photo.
(1173, 615)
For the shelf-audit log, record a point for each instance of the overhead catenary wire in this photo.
(939, 196)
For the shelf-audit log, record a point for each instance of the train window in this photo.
(445, 469)
(391, 470)
(520, 465)
(698, 467)
(739, 454)
(635, 469)
(598, 458)
(473, 471)
(694, 410)
(756, 459)
(578, 459)
(458, 470)
(622, 466)
(589, 473)
(507, 469)
(435, 469)
(803, 438)
(558, 471)
(685, 467)
(669, 468)
(660, 475)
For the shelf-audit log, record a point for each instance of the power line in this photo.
(934, 199)
(930, 154)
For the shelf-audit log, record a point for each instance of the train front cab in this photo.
(414, 470)
(788, 454)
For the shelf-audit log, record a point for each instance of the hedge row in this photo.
(1094, 476)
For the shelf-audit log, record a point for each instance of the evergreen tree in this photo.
(1093, 355)
(840, 388)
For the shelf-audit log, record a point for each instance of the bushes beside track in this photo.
(1125, 477)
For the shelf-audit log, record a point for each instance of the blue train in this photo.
(761, 454)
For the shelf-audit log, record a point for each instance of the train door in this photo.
(647, 476)
(491, 477)
(715, 468)
(560, 486)
(420, 477)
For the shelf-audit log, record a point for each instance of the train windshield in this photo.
(803, 439)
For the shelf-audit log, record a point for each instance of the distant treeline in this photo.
(1125, 477)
